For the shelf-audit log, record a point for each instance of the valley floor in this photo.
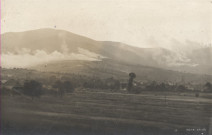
(107, 113)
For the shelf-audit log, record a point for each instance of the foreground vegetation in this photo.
(62, 104)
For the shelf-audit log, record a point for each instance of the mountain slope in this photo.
(46, 45)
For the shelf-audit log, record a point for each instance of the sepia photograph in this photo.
(106, 67)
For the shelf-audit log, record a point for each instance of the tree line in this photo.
(67, 84)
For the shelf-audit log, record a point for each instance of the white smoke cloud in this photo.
(173, 44)
(170, 58)
(179, 51)
(26, 58)
(179, 60)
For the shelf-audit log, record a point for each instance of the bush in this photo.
(196, 94)
(63, 87)
(32, 88)
(6, 91)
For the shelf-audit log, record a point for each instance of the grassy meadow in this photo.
(95, 112)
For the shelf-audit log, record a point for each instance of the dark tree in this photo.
(162, 86)
(32, 88)
(208, 86)
(59, 86)
(181, 88)
(68, 87)
(152, 86)
(5, 91)
(117, 84)
(130, 83)
(63, 87)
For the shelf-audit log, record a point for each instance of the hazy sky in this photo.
(143, 23)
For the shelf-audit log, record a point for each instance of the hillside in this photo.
(25, 49)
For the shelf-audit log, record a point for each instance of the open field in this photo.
(105, 113)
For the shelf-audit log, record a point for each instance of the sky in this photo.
(141, 23)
